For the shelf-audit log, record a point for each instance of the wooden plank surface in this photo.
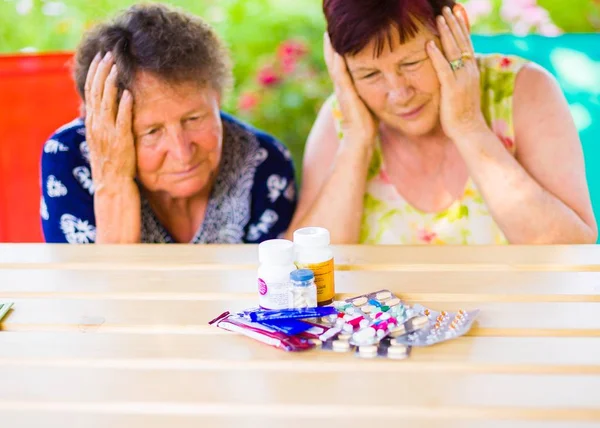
(117, 336)
(183, 283)
(495, 319)
(546, 355)
(81, 385)
(102, 416)
(352, 257)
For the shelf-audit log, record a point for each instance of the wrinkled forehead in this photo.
(148, 85)
(155, 97)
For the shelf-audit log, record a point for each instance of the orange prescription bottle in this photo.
(312, 251)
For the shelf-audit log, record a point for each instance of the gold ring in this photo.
(466, 55)
(457, 64)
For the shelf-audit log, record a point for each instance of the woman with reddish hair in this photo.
(426, 142)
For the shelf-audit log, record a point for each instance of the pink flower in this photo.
(288, 64)
(426, 236)
(508, 142)
(291, 48)
(548, 29)
(500, 128)
(289, 52)
(505, 62)
(526, 16)
(383, 176)
(478, 8)
(247, 101)
(268, 76)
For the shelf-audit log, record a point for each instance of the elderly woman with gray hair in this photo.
(154, 159)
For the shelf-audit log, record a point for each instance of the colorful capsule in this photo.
(374, 303)
(355, 322)
(382, 326)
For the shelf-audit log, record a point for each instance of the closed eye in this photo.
(413, 65)
(370, 75)
(193, 118)
(152, 131)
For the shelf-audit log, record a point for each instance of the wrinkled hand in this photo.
(460, 109)
(358, 124)
(108, 125)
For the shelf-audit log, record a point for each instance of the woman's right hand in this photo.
(108, 124)
(359, 126)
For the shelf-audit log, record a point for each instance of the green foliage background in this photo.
(253, 30)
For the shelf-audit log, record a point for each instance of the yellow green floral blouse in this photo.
(389, 219)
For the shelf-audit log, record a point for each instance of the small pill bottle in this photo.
(303, 292)
(276, 257)
(313, 252)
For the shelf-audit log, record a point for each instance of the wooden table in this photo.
(104, 336)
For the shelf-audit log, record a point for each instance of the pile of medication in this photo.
(297, 309)
(377, 324)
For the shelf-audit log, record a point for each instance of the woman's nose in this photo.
(400, 90)
(181, 147)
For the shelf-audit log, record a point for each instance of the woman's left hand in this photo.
(457, 70)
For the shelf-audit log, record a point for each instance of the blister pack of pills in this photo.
(365, 320)
(441, 325)
(387, 347)
(368, 325)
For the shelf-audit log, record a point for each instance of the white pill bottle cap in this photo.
(276, 252)
(312, 237)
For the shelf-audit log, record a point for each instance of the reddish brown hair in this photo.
(352, 24)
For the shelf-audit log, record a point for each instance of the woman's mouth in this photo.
(188, 170)
(411, 114)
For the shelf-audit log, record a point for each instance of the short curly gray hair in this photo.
(168, 42)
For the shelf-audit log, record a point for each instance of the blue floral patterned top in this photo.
(253, 198)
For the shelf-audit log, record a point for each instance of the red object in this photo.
(37, 95)
(505, 63)
(248, 101)
(355, 322)
(291, 48)
(267, 76)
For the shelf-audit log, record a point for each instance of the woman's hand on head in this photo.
(460, 106)
(359, 126)
(108, 123)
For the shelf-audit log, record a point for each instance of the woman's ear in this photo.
(459, 9)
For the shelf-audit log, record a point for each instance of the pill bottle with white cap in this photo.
(276, 257)
(311, 245)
